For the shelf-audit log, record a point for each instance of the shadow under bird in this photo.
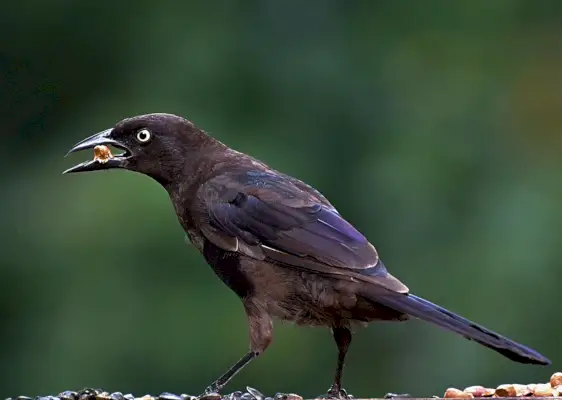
(278, 243)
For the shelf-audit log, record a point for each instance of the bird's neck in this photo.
(199, 168)
(184, 176)
(185, 166)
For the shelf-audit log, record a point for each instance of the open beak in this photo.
(103, 138)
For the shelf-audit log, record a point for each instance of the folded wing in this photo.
(265, 215)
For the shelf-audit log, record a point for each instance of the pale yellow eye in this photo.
(143, 135)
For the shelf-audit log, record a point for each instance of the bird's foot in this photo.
(211, 393)
(336, 393)
(397, 395)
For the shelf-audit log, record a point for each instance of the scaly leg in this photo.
(261, 335)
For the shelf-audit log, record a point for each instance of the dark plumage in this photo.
(275, 241)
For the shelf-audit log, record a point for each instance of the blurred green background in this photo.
(434, 127)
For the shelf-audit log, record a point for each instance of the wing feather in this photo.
(264, 214)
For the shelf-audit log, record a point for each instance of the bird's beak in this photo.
(99, 139)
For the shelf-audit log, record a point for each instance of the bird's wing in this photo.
(266, 216)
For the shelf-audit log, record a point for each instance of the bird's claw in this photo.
(211, 391)
(335, 393)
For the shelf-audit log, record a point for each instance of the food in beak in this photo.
(102, 154)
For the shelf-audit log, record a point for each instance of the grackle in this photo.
(278, 243)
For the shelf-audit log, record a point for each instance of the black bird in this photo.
(278, 243)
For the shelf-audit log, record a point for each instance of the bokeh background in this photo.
(434, 127)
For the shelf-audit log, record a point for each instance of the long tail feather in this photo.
(427, 311)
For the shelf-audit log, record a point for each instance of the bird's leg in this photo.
(261, 335)
(217, 385)
(342, 336)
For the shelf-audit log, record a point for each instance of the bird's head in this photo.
(157, 145)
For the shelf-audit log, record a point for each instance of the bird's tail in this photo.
(427, 311)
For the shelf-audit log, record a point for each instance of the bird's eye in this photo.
(143, 135)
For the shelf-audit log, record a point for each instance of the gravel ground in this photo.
(99, 394)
